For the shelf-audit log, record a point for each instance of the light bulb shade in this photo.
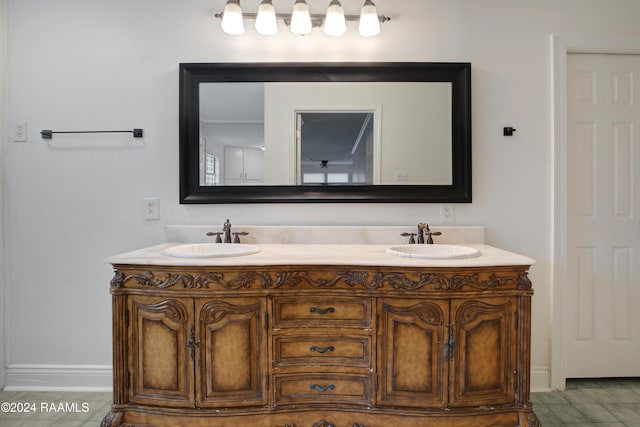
(334, 23)
(300, 18)
(369, 22)
(232, 18)
(266, 23)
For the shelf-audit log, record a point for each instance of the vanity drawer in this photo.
(322, 312)
(315, 388)
(297, 350)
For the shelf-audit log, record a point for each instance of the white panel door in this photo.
(602, 306)
(253, 165)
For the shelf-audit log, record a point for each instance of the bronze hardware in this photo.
(428, 233)
(226, 230)
(320, 389)
(450, 344)
(321, 350)
(421, 227)
(411, 236)
(218, 234)
(321, 311)
(192, 343)
(237, 234)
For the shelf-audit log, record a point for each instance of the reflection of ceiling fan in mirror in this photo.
(323, 164)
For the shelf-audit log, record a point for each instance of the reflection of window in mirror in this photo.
(335, 147)
(211, 175)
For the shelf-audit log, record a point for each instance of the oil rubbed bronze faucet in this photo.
(423, 230)
(226, 230)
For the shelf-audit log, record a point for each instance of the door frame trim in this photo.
(561, 46)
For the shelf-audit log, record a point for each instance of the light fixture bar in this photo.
(286, 17)
(317, 19)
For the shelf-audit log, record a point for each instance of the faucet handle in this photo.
(237, 234)
(411, 236)
(430, 233)
(218, 234)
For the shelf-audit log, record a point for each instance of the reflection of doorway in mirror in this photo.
(335, 147)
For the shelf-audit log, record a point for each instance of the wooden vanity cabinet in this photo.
(159, 366)
(447, 353)
(321, 346)
(196, 352)
(483, 366)
(412, 340)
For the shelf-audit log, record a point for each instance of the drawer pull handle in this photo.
(316, 387)
(321, 350)
(321, 311)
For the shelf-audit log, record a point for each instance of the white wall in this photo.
(77, 64)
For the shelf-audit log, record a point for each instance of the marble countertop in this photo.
(320, 254)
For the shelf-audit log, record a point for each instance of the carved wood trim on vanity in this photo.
(320, 346)
(368, 280)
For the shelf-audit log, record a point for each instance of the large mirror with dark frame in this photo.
(325, 132)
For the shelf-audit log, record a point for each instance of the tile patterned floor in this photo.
(585, 403)
(60, 409)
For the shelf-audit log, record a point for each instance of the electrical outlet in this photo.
(20, 132)
(401, 176)
(447, 214)
(151, 209)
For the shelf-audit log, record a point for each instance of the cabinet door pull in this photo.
(450, 345)
(321, 350)
(321, 311)
(192, 343)
(316, 387)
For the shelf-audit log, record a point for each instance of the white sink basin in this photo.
(210, 250)
(433, 251)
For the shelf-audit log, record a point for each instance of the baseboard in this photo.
(540, 379)
(59, 378)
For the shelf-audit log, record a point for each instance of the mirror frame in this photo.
(192, 74)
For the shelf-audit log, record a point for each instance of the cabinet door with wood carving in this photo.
(411, 365)
(483, 360)
(160, 370)
(232, 352)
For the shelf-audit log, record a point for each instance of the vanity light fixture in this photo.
(369, 21)
(334, 23)
(232, 22)
(266, 23)
(301, 18)
(301, 21)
